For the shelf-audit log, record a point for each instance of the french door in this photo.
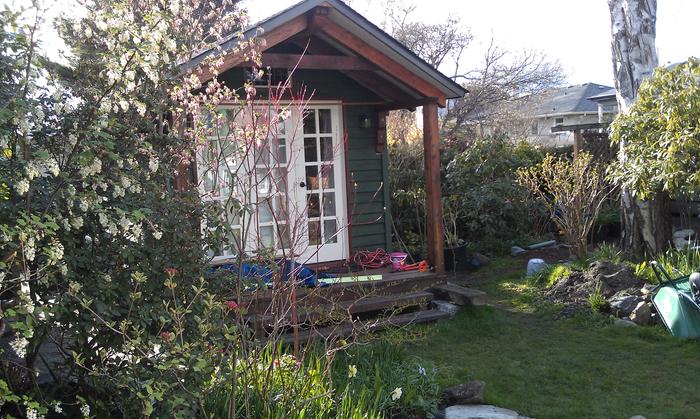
(320, 184)
(292, 183)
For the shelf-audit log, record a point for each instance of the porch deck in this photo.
(340, 309)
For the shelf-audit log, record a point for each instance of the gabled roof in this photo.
(344, 16)
(572, 99)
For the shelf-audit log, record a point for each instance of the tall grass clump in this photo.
(383, 374)
(676, 262)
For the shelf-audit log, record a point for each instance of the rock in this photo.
(641, 315)
(462, 296)
(480, 411)
(625, 323)
(686, 234)
(637, 417)
(622, 304)
(446, 307)
(517, 250)
(647, 289)
(680, 243)
(467, 393)
(478, 260)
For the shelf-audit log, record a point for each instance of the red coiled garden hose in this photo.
(372, 259)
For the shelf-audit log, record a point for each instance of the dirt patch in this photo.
(615, 282)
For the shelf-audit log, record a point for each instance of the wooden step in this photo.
(347, 329)
(462, 296)
(365, 305)
(395, 283)
(332, 310)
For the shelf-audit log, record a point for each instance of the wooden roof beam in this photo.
(272, 38)
(378, 58)
(314, 62)
(374, 84)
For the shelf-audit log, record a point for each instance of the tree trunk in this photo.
(646, 225)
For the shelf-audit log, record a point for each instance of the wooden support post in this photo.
(433, 204)
(578, 142)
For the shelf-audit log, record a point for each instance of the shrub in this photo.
(492, 203)
(407, 183)
(573, 193)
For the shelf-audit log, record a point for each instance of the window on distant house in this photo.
(267, 76)
(533, 129)
(559, 121)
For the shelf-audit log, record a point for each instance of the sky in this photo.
(574, 32)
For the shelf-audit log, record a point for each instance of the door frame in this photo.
(308, 255)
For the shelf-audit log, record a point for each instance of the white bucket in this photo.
(535, 266)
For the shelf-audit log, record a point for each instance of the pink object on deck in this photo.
(397, 260)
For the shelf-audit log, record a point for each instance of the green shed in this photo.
(351, 74)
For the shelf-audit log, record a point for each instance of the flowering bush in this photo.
(101, 258)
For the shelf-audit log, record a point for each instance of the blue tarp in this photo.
(301, 272)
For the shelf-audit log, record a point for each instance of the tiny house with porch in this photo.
(353, 74)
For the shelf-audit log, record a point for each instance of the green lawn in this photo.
(547, 368)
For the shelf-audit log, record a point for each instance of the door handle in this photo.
(302, 184)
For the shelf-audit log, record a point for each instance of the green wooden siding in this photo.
(367, 181)
(368, 194)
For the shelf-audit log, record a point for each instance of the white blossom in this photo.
(77, 222)
(83, 204)
(102, 218)
(396, 394)
(22, 186)
(157, 235)
(51, 166)
(33, 414)
(85, 410)
(153, 165)
(101, 24)
(118, 191)
(137, 232)
(19, 345)
(55, 252)
(29, 252)
(33, 170)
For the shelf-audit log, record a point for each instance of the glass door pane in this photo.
(320, 153)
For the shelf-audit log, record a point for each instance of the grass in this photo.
(545, 368)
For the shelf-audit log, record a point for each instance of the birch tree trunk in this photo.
(646, 225)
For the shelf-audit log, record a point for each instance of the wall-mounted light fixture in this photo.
(365, 121)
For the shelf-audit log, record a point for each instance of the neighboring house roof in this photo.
(344, 16)
(571, 100)
(607, 94)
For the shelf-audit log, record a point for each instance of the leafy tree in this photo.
(646, 223)
(661, 134)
